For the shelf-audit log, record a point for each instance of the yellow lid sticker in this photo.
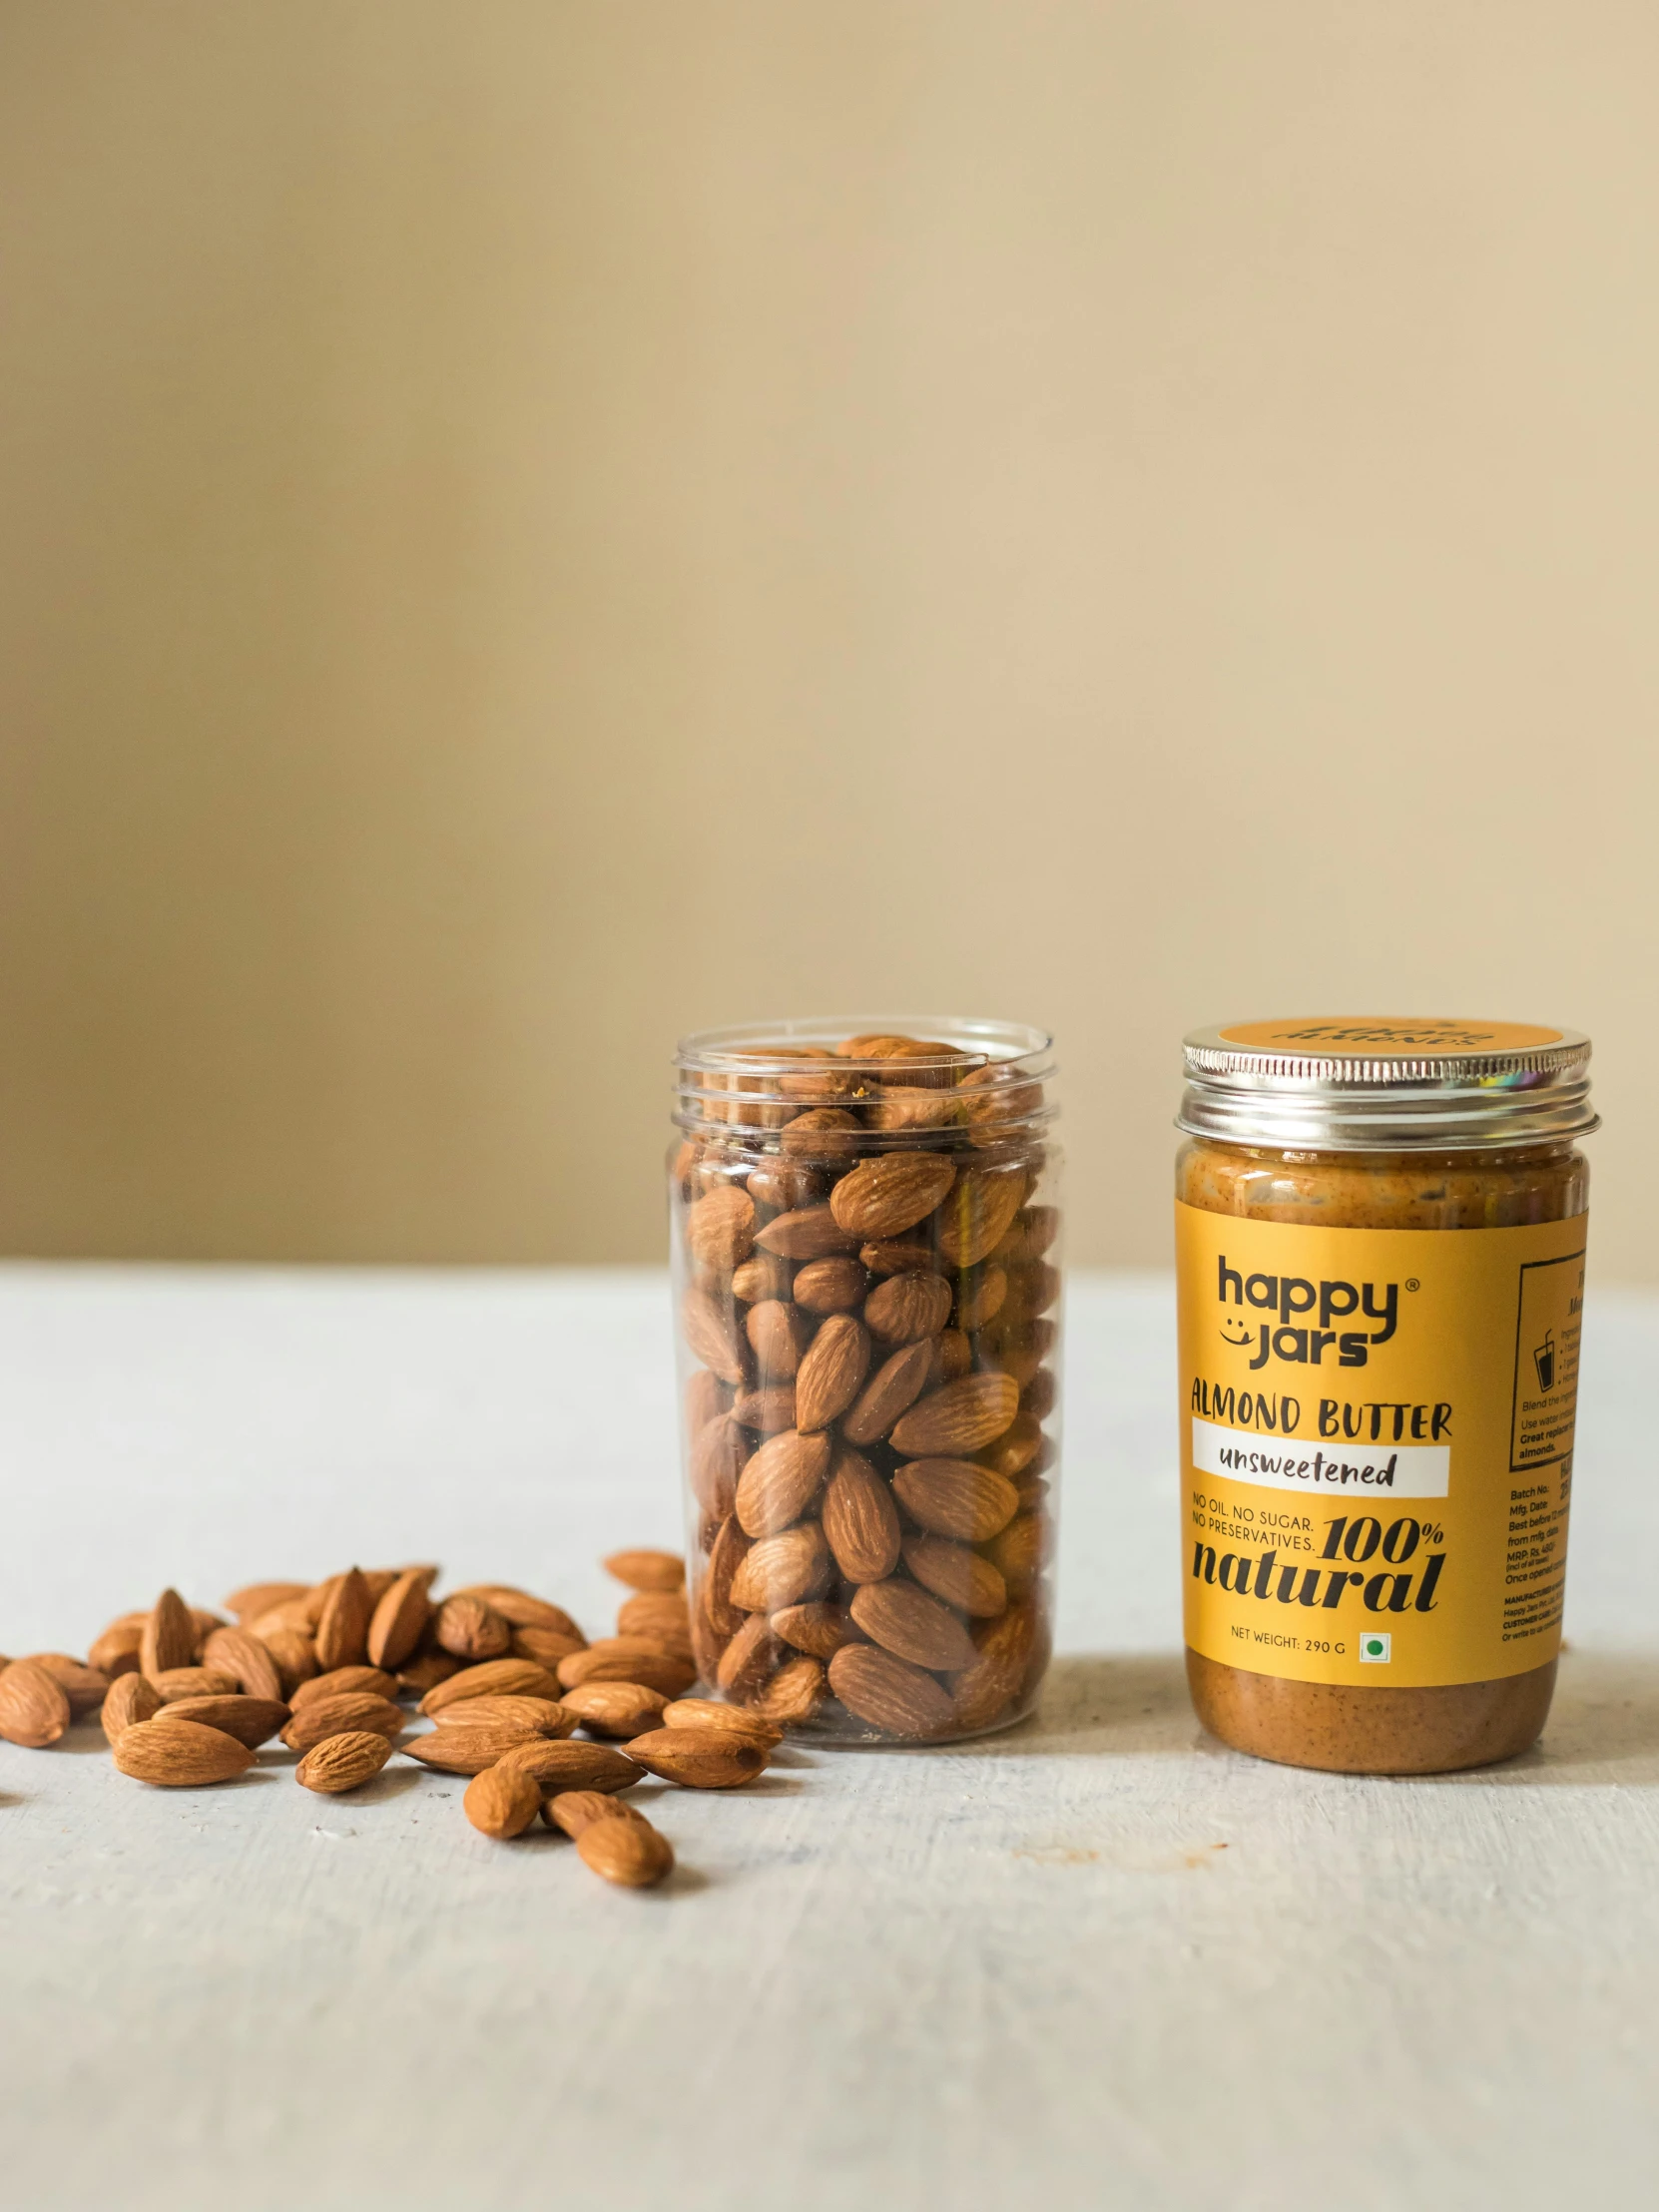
(1388, 1036)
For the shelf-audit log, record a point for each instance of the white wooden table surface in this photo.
(1099, 1961)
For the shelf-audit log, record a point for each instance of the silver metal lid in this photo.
(1387, 1084)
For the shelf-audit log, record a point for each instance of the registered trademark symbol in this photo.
(1411, 1282)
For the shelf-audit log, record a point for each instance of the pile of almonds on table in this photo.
(507, 1679)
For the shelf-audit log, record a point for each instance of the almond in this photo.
(339, 1716)
(538, 1715)
(1017, 1449)
(117, 1650)
(295, 1654)
(979, 1294)
(417, 1676)
(776, 1335)
(891, 1257)
(34, 1709)
(1017, 1552)
(767, 1411)
(712, 1332)
(956, 1575)
(573, 1766)
(830, 1286)
(761, 1278)
(660, 1613)
(956, 1498)
(255, 1599)
(626, 1659)
(470, 1749)
(719, 1229)
(905, 1620)
(831, 1371)
(895, 1385)
(573, 1810)
(907, 1307)
(343, 1761)
(1030, 1234)
(794, 1693)
(342, 1627)
(883, 1197)
(824, 1085)
(811, 1233)
(250, 1720)
(905, 1106)
(1038, 1399)
(545, 1647)
(888, 1692)
(293, 1613)
(133, 1698)
(169, 1638)
(823, 1135)
(398, 1621)
(734, 1720)
(251, 1664)
(781, 1481)
(501, 1803)
(786, 1186)
(494, 1678)
(952, 1356)
(784, 1569)
(629, 1853)
(962, 1416)
(720, 1452)
(620, 1709)
(469, 1629)
(346, 1682)
(699, 1758)
(725, 1555)
(521, 1610)
(860, 1522)
(750, 1659)
(820, 1628)
(178, 1755)
(178, 1682)
(978, 1212)
(986, 1692)
(85, 1687)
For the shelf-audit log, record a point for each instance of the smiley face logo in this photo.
(1246, 1336)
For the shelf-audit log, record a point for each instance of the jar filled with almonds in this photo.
(866, 1236)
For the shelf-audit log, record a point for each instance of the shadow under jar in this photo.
(865, 1257)
(1381, 1238)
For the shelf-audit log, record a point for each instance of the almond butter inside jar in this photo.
(1380, 1243)
(866, 1259)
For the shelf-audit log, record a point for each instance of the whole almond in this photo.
(573, 1766)
(776, 1333)
(1038, 1399)
(342, 1627)
(255, 1599)
(781, 1481)
(34, 1709)
(956, 1575)
(520, 1609)
(345, 1682)
(295, 1613)
(417, 1676)
(901, 1257)
(494, 1678)
(177, 1682)
(811, 1233)
(117, 1650)
(469, 1629)
(895, 1385)
(831, 1372)
(725, 1555)
(785, 1186)
(905, 1106)
(984, 1692)
(821, 1136)
(733, 1720)
(1030, 1234)
(85, 1687)
(1017, 1449)
(830, 1286)
(767, 1411)
(883, 1197)
(762, 1276)
(956, 1498)
(720, 1452)
(860, 1522)
(397, 1622)
(176, 1755)
(295, 1654)
(339, 1716)
(250, 1663)
(713, 1333)
(979, 1294)
(573, 1810)
(959, 1417)
(250, 1720)
(751, 1658)
(169, 1638)
(620, 1709)
(952, 1356)
(888, 1692)
(501, 1803)
(544, 1647)
(719, 1229)
(660, 1613)
(628, 1659)
(133, 1698)
(784, 1569)
(699, 1758)
(343, 1761)
(539, 1716)
(629, 1853)
(820, 1628)
(912, 1624)
(469, 1750)
(1018, 1552)
(904, 1307)
(977, 1214)
(794, 1693)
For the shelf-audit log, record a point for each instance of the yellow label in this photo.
(1377, 1430)
(1389, 1037)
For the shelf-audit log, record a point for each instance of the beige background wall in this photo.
(530, 525)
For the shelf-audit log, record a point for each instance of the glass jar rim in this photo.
(740, 1048)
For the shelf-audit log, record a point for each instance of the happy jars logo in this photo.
(1302, 1320)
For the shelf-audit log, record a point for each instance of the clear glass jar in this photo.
(866, 1259)
(1353, 1140)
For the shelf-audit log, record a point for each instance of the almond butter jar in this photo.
(1380, 1234)
(866, 1261)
